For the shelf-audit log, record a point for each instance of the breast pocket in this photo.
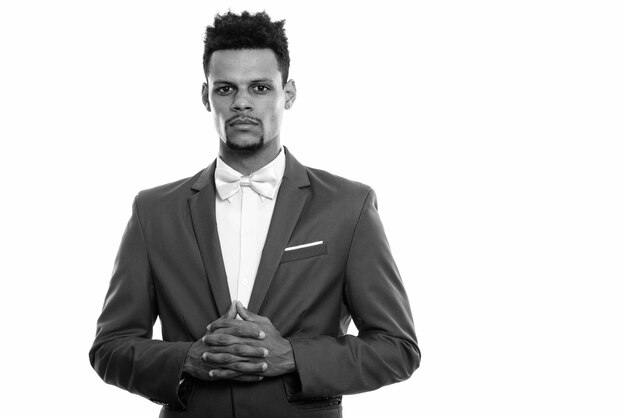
(296, 253)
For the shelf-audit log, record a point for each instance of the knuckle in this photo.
(236, 368)
(242, 367)
(222, 339)
(226, 358)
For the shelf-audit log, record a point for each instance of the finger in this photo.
(221, 339)
(246, 315)
(228, 322)
(232, 311)
(224, 374)
(230, 314)
(219, 323)
(246, 367)
(237, 328)
(240, 350)
(233, 375)
(222, 323)
(221, 359)
(248, 378)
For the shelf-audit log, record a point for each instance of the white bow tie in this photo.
(263, 182)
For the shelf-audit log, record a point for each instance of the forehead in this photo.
(243, 64)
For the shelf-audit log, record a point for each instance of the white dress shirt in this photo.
(243, 220)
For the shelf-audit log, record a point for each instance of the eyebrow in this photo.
(260, 80)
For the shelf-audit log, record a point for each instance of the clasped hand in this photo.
(244, 349)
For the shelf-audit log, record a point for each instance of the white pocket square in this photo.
(297, 247)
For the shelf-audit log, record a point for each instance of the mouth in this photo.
(243, 122)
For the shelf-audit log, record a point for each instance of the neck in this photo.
(247, 162)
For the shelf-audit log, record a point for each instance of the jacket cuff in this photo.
(178, 389)
(295, 381)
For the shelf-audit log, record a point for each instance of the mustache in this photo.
(243, 119)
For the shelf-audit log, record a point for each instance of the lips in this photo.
(243, 122)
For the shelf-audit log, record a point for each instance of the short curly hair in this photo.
(247, 31)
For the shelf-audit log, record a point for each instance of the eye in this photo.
(224, 90)
(261, 88)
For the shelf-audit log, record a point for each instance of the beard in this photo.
(249, 148)
(243, 146)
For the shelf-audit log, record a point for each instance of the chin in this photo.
(244, 146)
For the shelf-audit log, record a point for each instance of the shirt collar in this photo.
(277, 163)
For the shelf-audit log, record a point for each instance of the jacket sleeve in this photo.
(124, 353)
(385, 350)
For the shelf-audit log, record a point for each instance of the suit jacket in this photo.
(170, 265)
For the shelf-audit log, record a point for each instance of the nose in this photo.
(242, 101)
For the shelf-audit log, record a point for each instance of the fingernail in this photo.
(261, 334)
(211, 374)
(265, 352)
(264, 366)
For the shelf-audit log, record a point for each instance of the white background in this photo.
(492, 131)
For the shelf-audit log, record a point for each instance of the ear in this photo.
(290, 93)
(205, 96)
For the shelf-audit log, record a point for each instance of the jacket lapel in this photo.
(202, 208)
(290, 201)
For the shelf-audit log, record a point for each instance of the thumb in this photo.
(232, 311)
(245, 314)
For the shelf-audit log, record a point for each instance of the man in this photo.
(254, 266)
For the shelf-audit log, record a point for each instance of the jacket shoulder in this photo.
(167, 194)
(323, 181)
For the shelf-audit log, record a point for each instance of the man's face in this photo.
(245, 94)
